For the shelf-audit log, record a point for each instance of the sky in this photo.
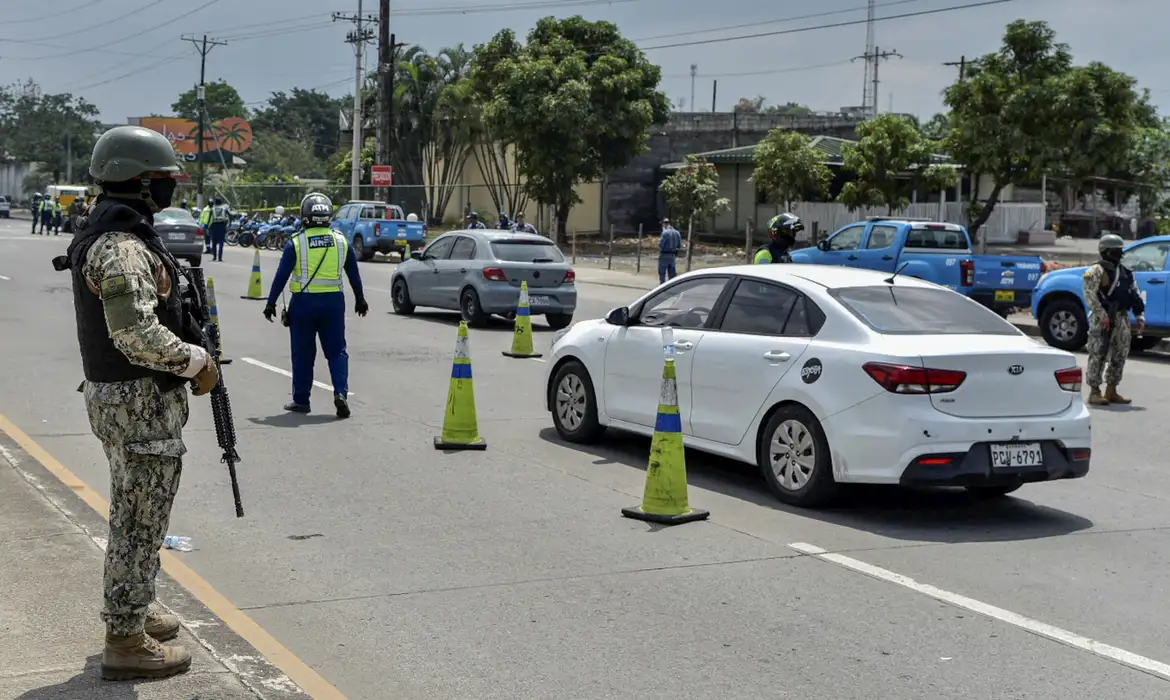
(128, 56)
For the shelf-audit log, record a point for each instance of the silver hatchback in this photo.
(478, 273)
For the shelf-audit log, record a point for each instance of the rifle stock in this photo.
(221, 406)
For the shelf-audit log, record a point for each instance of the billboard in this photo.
(233, 135)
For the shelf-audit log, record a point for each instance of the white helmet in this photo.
(279, 211)
(412, 217)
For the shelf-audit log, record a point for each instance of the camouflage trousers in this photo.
(1110, 359)
(141, 430)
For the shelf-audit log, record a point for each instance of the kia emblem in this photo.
(1016, 369)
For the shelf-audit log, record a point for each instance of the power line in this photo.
(782, 20)
(852, 23)
(119, 18)
(56, 15)
(775, 71)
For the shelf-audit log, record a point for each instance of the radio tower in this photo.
(868, 94)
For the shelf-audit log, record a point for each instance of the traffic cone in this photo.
(215, 319)
(255, 286)
(665, 498)
(522, 336)
(460, 427)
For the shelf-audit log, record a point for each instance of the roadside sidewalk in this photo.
(50, 634)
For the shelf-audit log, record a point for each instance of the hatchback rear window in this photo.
(895, 310)
(527, 251)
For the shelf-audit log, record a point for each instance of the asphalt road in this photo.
(396, 571)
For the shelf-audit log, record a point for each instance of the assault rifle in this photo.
(221, 406)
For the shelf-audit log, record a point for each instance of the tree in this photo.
(788, 168)
(750, 105)
(276, 155)
(220, 99)
(1149, 166)
(891, 160)
(759, 105)
(306, 116)
(575, 101)
(1024, 111)
(54, 130)
(693, 193)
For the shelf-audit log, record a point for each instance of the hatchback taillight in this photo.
(494, 274)
(1070, 379)
(902, 379)
(570, 277)
(967, 271)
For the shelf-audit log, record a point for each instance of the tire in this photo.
(246, 239)
(992, 492)
(400, 298)
(232, 237)
(471, 310)
(558, 321)
(812, 484)
(1063, 325)
(1144, 343)
(360, 251)
(574, 404)
(196, 262)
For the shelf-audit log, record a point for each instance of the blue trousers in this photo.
(666, 267)
(218, 239)
(312, 316)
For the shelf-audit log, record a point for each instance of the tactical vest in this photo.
(219, 214)
(100, 359)
(320, 261)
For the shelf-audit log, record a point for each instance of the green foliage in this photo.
(576, 101)
(693, 192)
(343, 167)
(305, 116)
(788, 168)
(891, 159)
(1149, 165)
(222, 101)
(36, 127)
(759, 105)
(274, 155)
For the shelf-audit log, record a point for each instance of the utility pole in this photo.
(874, 60)
(386, 88)
(694, 72)
(204, 47)
(359, 37)
(962, 64)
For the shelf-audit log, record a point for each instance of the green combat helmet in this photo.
(1110, 241)
(127, 152)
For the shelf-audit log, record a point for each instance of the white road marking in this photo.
(285, 372)
(6, 279)
(1043, 629)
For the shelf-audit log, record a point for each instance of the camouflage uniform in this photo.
(140, 425)
(1111, 359)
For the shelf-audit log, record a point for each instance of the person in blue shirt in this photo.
(669, 244)
(504, 224)
(518, 226)
(473, 221)
(314, 259)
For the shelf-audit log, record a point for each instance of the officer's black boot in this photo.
(295, 407)
(341, 403)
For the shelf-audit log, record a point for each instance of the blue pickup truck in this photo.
(932, 251)
(377, 227)
(1059, 300)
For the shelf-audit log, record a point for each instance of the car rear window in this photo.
(936, 239)
(173, 216)
(527, 251)
(895, 310)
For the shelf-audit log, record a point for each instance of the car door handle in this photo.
(1155, 281)
(684, 345)
(887, 257)
(851, 257)
(777, 356)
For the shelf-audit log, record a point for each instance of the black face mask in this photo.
(1113, 255)
(162, 191)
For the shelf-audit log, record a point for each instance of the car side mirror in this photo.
(417, 255)
(618, 317)
(823, 245)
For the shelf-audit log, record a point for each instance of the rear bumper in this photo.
(502, 298)
(1022, 298)
(186, 250)
(386, 245)
(973, 467)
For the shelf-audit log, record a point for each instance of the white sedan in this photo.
(826, 375)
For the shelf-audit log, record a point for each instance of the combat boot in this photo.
(1112, 396)
(162, 626)
(1095, 397)
(141, 656)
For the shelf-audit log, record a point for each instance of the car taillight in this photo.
(570, 277)
(900, 379)
(494, 274)
(1070, 379)
(967, 270)
(199, 232)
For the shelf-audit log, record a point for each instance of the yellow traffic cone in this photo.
(460, 427)
(522, 336)
(215, 319)
(665, 498)
(255, 286)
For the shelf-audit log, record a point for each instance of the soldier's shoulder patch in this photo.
(116, 286)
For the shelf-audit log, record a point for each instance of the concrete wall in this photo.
(12, 179)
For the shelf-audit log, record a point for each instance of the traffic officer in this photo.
(669, 243)
(519, 226)
(1111, 293)
(220, 215)
(56, 216)
(783, 229)
(205, 224)
(35, 209)
(314, 259)
(46, 214)
(474, 222)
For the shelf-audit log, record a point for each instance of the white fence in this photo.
(1006, 221)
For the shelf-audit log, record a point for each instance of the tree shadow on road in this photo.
(922, 515)
(86, 684)
(294, 420)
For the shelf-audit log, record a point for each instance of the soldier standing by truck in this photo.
(1111, 293)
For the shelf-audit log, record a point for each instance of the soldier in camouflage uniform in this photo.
(139, 351)
(1111, 293)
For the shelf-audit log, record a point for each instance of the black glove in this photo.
(361, 308)
(270, 312)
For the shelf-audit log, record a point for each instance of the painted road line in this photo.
(1072, 639)
(311, 682)
(6, 279)
(285, 372)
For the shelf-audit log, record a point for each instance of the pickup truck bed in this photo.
(377, 227)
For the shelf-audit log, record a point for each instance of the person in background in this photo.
(782, 229)
(669, 244)
(76, 211)
(35, 210)
(1111, 292)
(504, 224)
(46, 214)
(519, 226)
(205, 224)
(473, 221)
(221, 214)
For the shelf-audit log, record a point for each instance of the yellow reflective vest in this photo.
(320, 257)
(205, 217)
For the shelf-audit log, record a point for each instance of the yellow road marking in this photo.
(277, 654)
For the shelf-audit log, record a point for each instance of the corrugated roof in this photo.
(829, 145)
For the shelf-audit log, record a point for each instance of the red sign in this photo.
(381, 175)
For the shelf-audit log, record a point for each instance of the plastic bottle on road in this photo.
(182, 544)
